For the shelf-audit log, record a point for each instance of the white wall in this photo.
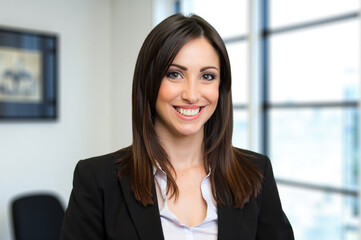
(132, 23)
(99, 41)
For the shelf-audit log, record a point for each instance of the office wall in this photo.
(132, 23)
(99, 41)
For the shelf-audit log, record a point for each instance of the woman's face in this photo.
(188, 94)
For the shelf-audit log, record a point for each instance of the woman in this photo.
(181, 178)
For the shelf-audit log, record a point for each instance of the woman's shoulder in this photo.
(259, 160)
(103, 166)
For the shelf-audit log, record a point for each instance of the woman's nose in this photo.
(191, 92)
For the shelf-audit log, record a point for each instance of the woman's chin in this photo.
(190, 131)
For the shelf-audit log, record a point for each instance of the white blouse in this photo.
(172, 228)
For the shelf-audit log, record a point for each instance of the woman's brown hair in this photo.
(234, 179)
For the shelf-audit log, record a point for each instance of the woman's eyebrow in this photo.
(208, 67)
(185, 69)
(179, 66)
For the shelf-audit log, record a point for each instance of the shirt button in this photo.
(188, 234)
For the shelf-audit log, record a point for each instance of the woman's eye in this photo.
(173, 75)
(208, 76)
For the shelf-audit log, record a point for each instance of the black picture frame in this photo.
(28, 75)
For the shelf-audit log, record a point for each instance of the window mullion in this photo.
(254, 78)
(264, 76)
(359, 138)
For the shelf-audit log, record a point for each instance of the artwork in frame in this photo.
(28, 74)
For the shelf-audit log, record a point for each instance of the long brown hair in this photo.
(233, 178)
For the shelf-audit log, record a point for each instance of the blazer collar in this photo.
(146, 219)
(148, 224)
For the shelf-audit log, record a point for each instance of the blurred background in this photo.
(296, 93)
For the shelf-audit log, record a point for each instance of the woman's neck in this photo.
(183, 151)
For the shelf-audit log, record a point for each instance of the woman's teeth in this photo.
(188, 112)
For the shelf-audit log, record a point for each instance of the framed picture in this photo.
(28, 75)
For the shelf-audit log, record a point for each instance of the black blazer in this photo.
(102, 206)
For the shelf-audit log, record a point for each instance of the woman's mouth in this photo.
(187, 111)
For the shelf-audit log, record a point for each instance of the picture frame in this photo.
(28, 75)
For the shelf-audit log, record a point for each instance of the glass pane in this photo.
(238, 57)
(286, 12)
(229, 17)
(317, 146)
(317, 64)
(240, 129)
(317, 215)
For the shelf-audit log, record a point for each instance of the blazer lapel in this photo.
(229, 222)
(146, 219)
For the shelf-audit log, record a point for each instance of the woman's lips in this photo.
(189, 112)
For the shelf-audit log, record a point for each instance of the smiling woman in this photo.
(181, 178)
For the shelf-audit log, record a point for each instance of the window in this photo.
(310, 108)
